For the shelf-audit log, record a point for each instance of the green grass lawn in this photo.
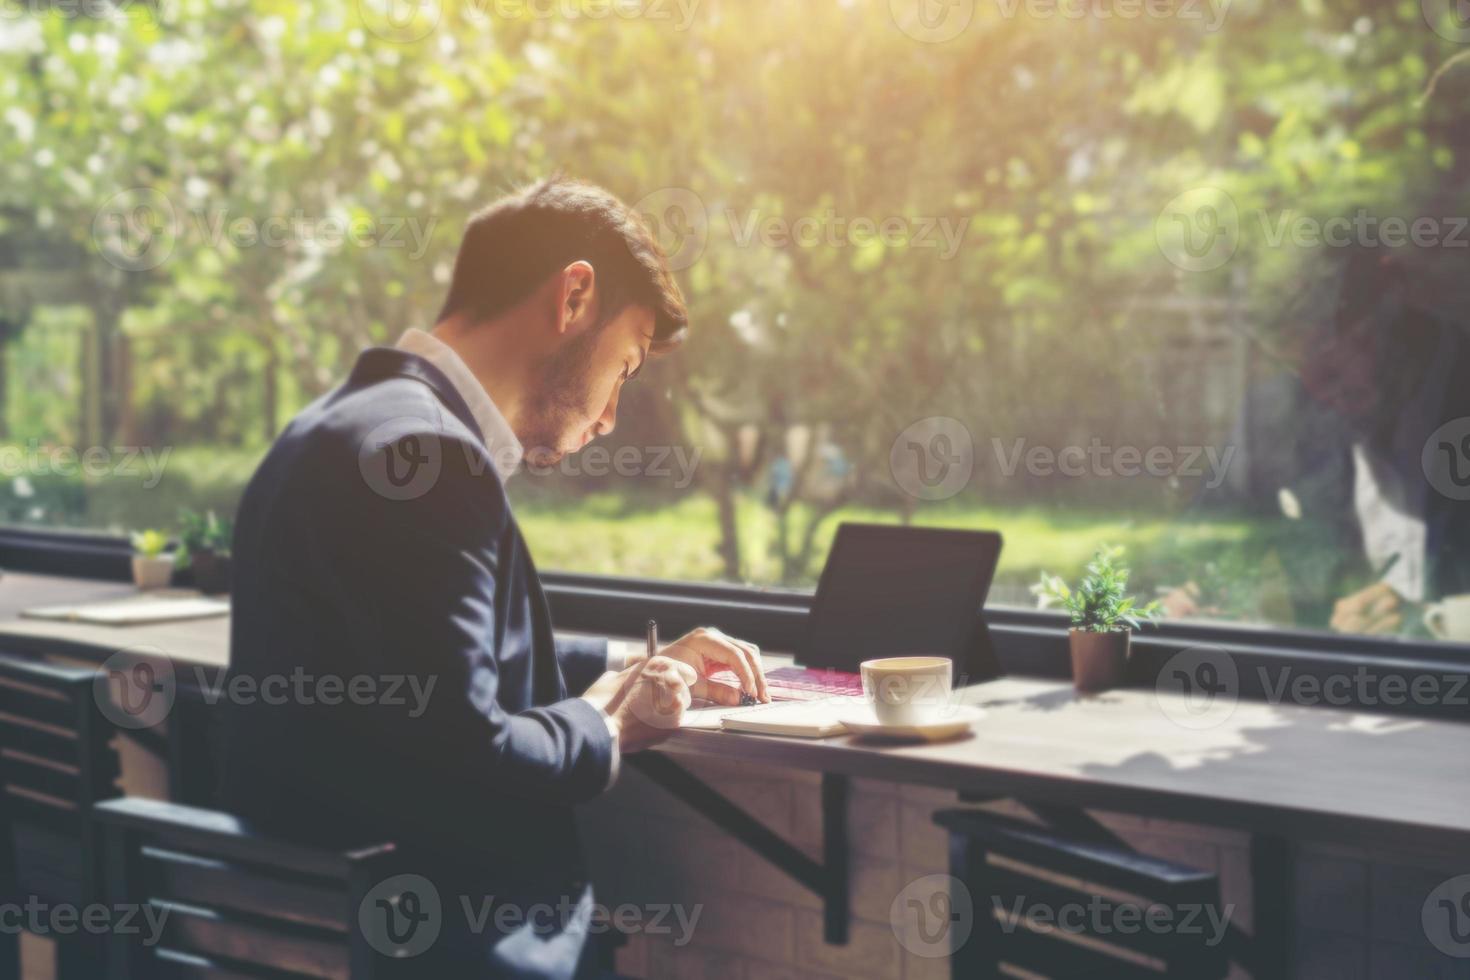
(678, 538)
(602, 534)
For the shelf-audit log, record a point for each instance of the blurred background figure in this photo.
(1335, 444)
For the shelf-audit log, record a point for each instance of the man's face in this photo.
(579, 383)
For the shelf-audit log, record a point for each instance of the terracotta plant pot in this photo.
(211, 572)
(1099, 660)
(153, 573)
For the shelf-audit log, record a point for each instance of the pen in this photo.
(652, 638)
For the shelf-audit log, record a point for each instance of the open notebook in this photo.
(801, 719)
(135, 610)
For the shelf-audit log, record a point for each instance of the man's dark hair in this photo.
(511, 247)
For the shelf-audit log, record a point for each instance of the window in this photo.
(1185, 278)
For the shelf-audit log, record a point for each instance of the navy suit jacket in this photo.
(374, 551)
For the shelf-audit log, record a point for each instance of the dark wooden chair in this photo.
(56, 763)
(239, 904)
(1010, 866)
(192, 749)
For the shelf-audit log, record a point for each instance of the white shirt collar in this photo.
(505, 449)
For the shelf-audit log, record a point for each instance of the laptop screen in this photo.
(891, 591)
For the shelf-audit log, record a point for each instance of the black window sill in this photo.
(1274, 664)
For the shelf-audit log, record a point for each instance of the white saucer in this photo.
(950, 723)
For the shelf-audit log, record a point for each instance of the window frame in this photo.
(1028, 642)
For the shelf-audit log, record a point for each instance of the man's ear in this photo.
(576, 301)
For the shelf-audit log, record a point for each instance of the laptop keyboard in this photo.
(801, 683)
(807, 684)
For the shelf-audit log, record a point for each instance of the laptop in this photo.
(890, 590)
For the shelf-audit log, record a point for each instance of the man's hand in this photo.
(644, 702)
(1378, 609)
(651, 703)
(709, 651)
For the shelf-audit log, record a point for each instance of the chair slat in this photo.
(38, 673)
(26, 701)
(1052, 956)
(173, 964)
(212, 934)
(1062, 883)
(41, 775)
(1106, 865)
(239, 903)
(28, 806)
(193, 830)
(213, 883)
(1009, 890)
(44, 743)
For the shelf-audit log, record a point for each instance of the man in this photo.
(376, 555)
(1336, 446)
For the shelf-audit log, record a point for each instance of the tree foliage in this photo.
(1054, 143)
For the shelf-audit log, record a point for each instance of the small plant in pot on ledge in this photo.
(152, 569)
(204, 552)
(1103, 618)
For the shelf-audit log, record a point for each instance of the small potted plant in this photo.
(1103, 617)
(152, 569)
(204, 551)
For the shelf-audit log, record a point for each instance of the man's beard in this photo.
(559, 399)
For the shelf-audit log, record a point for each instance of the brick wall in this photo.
(1357, 914)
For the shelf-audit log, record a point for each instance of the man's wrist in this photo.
(622, 654)
(615, 733)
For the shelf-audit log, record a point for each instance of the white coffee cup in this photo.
(1449, 619)
(908, 690)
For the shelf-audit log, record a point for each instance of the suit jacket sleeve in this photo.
(583, 659)
(422, 575)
